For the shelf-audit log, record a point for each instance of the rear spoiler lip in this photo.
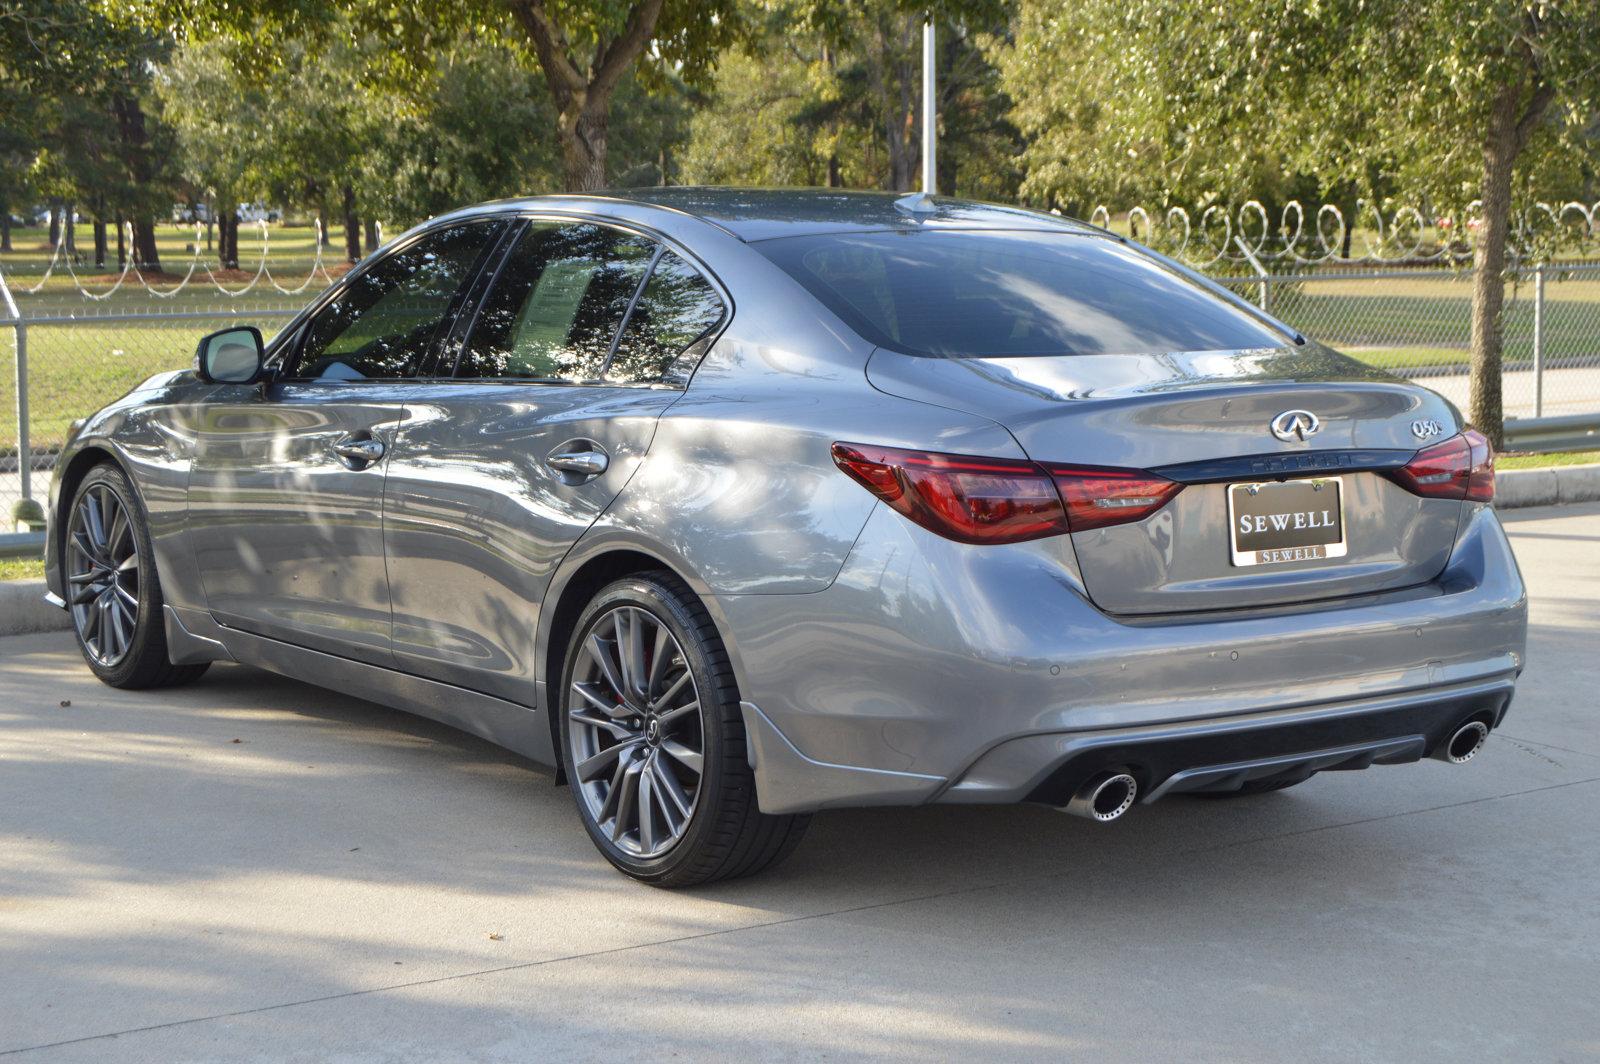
(1252, 467)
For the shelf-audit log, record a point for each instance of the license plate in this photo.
(1276, 522)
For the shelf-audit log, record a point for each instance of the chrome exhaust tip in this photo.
(1104, 797)
(1464, 744)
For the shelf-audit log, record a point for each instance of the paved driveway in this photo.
(253, 869)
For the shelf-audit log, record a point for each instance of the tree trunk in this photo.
(99, 242)
(228, 238)
(583, 143)
(372, 235)
(352, 226)
(122, 248)
(1511, 122)
(145, 255)
(55, 224)
(135, 145)
(69, 228)
(5, 227)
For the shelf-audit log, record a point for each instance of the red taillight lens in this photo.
(1001, 500)
(1096, 498)
(971, 500)
(1461, 467)
(1480, 483)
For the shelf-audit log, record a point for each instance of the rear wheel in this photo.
(112, 590)
(653, 741)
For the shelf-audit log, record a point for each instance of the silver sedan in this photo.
(734, 505)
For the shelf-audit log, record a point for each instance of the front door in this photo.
(498, 471)
(286, 490)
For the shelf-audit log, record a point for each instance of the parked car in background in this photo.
(735, 505)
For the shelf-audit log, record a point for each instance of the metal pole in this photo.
(1538, 340)
(930, 114)
(24, 447)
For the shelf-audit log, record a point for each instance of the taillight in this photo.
(971, 500)
(1096, 498)
(1461, 467)
(1000, 500)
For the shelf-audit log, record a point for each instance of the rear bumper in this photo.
(935, 672)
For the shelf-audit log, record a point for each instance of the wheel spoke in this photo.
(661, 656)
(684, 756)
(89, 594)
(647, 812)
(606, 724)
(630, 652)
(604, 705)
(130, 564)
(93, 521)
(672, 716)
(627, 805)
(597, 765)
(602, 657)
(672, 692)
(667, 784)
(120, 530)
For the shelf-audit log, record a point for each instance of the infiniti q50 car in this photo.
(731, 506)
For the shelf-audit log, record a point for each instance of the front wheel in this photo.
(113, 593)
(653, 741)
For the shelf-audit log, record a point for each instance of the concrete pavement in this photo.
(347, 883)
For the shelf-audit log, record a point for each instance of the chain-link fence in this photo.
(1417, 323)
(76, 353)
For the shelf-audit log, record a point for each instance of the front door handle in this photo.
(579, 463)
(358, 452)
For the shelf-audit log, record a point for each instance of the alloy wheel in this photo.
(102, 556)
(636, 735)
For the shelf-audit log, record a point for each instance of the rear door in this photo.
(286, 490)
(499, 468)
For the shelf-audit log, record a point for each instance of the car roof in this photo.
(764, 213)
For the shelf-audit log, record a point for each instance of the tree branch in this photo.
(550, 45)
(612, 60)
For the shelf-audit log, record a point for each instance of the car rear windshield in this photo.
(963, 293)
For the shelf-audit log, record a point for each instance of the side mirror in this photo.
(232, 356)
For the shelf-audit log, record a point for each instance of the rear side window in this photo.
(384, 322)
(954, 293)
(677, 307)
(557, 305)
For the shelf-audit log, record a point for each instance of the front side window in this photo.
(557, 304)
(977, 294)
(677, 307)
(383, 324)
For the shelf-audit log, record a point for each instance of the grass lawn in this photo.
(1544, 461)
(21, 568)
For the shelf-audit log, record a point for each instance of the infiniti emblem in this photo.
(1295, 425)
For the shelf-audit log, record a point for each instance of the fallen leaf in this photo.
(65, 702)
(493, 937)
(236, 740)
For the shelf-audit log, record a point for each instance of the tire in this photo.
(1253, 787)
(644, 743)
(102, 570)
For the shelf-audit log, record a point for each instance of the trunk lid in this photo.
(1204, 419)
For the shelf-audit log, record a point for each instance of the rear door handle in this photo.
(358, 452)
(580, 463)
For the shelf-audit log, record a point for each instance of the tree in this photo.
(584, 49)
(1447, 101)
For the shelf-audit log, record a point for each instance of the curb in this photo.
(23, 609)
(1514, 488)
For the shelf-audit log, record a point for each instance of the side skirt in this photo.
(193, 636)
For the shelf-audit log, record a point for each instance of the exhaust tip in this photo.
(1464, 744)
(1104, 798)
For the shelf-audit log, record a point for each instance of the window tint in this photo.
(677, 307)
(964, 293)
(557, 304)
(383, 323)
